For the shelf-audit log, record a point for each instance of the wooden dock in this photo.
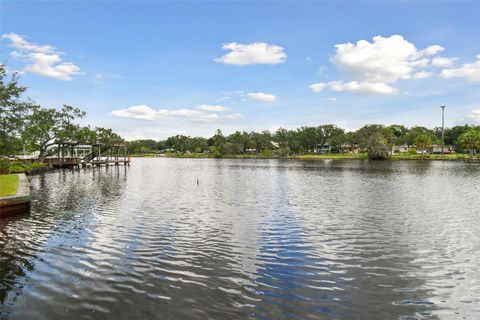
(72, 163)
(115, 162)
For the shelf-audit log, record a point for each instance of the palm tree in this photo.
(423, 142)
(470, 140)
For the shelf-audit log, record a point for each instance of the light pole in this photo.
(443, 128)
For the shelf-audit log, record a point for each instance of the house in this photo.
(346, 148)
(402, 148)
(322, 148)
(437, 149)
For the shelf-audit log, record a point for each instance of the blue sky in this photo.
(155, 69)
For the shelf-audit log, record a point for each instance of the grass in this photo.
(345, 156)
(348, 156)
(407, 156)
(8, 184)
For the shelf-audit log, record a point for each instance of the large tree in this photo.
(376, 139)
(45, 126)
(423, 142)
(470, 140)
(12, 111)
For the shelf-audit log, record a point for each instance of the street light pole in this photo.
(443, 128)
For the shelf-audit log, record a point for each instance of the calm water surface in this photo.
(255, 239)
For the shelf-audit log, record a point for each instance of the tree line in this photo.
(27, 126)
(378, 140)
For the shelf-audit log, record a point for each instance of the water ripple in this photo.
(260, 239)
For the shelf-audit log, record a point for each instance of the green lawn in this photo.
(8, 184)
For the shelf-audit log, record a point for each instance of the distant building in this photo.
(402, 148)
(321, 149)
(346, 148)
(437, 149)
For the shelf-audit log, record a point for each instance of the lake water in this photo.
(258, 239)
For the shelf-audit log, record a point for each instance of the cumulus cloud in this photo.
(19, 42)
(383, 60)
(421, 75)
(355, 87)
(213, 108)
(263, 97)
(474, 115)
(362, 87)
(373, 67)
(234, 116)
(186, 113)
(431, 50)
(207, 117)
(471, 71)
(144, 112)
(317, 87)
(44, 60)
(141, 112)
(443, 62)
(253, 53)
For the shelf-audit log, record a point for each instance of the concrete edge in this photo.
(20, 202)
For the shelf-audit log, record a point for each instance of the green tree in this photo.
(333, 135)
(376, 139)
(452, 135)
(413, 133)
(218, 141)
(12, 111)
(44, 126)
(470, 140)
(423, 142)
(398, 133)
(107, 137)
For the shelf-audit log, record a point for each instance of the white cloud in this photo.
(141, 112)
(44, 60)
(50, 65)
(186, 113)
(421, 75)
(207, 118)
(317, 87)
(431, 50)
(471, 71)
(373, 67)
(144, 112)
(362, 87)
(443, 62)
(474, 115)
(18, 42)
(383, 60)
(355, 87)
(254, 53)
(263, 97)
(216, 108)
(234, 116)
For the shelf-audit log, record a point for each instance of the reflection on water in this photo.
(260, 239)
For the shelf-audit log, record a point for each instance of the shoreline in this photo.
(313, 157)
(19, 202)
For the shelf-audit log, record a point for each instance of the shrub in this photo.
(267, 153)
(4, 165)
